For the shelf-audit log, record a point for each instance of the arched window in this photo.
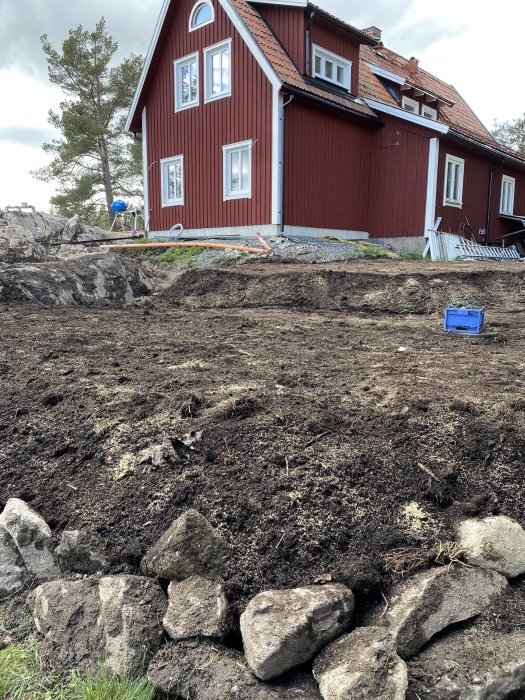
(201, 15)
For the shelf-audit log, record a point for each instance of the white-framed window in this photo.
(329, 66)
(186, 82)
(429, 112)
(410, 105)
(218, 71)
(172, 181)
(201, 15)
(237, 170)
(454, 174)
(508, 187)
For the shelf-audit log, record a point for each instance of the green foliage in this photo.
(409, 255)
(94, 162)
(22, 678)
(511, 134)
(375, 251)
(176, 256)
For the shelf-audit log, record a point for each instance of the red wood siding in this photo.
(289, 26)
(327, 169)
(399, 179)
(475, 193)
(200, 133)
(330, 37)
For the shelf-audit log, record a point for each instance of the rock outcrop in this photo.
(197, 607)
(190, 547)
(284, 629)
(431, 601)
(497, 543)
(115, 620)
(208, 671)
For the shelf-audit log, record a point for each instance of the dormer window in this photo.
(429, 112)
(201, 15)
(331, 67)
(410, 105)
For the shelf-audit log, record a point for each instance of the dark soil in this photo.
(325, 396)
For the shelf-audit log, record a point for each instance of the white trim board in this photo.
(432, 183)
(408, 116)
(239, 26)
(145, 166)
(384, 73)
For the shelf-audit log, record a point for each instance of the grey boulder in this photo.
(363, 665)
(190, 547)
(115, 620)
(13, 573)
(435, 599)
(197, 607)
(208, 671)
(282, 629)
(32, 538)
(497, 543)
(466, 665)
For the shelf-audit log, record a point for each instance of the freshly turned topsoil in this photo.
(334, 422)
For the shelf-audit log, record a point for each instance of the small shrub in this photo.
(375, 251)
(410, 255)
(177, 256)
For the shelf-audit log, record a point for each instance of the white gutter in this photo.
(408, 116)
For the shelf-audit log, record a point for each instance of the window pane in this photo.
(171, 182)
(245, 170)
(178, 180)
(318, 65)
(202, 15)
(329, 70)
(340, 74)
(450, 180)
(194, 81)
(215, 73)
(457, 178)
(185, 81)
(235, 172)
(225, 65)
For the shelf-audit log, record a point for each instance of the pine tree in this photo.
(94, 160)
(511, 134)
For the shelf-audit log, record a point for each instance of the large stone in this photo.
(80, 552)
(497, 543)
(13, 573)
(190, 547)
(197, 607)
(284, 629)
(208, 671)
(115, 620)
(466, 665)
(435, 599)
(31, 536)
(363, 664)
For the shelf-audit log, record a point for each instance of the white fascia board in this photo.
(251, 44)
(238, 24)
(285, 3)
(147, 62)
(408, 116)
(387, 74)
(145, 168)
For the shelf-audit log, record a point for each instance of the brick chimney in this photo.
(373, 33)
(413, 65)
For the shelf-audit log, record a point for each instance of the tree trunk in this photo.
(108, 182)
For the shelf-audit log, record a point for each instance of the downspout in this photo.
(489, 203)
(285, 105)
(307, 48)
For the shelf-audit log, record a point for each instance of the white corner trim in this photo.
(408, 116)
(383, 73)
(145, 168)
(277, 155)
(197, 7)
(432, 181)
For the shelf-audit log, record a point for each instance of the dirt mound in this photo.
(371, 286)
(316, 442)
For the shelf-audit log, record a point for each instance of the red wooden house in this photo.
(276, 116)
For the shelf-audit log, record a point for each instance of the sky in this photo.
(470, 44)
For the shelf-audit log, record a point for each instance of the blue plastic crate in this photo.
(464, 320)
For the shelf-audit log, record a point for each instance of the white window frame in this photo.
(177, 66)
(457, 162)
(507, 183)
(409, 102)
(193, 13)
(429, 112)
(208, 71)
(227, 151)
(164, 163)
(338, 61)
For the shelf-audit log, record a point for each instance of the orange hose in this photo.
(262, 242)
(191, 244)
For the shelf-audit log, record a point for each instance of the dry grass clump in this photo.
(407, 560)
